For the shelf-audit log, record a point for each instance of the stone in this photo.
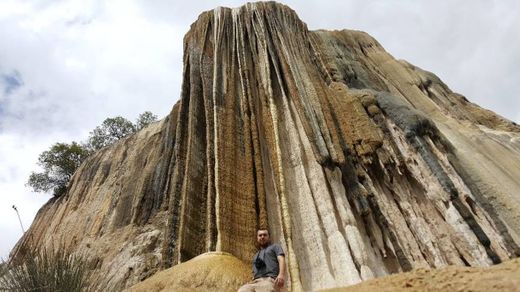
(211, 271)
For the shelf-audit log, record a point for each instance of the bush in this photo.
(46, 270)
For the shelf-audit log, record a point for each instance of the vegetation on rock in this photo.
(110, 131)
(144, 120)
(59, 164)
(62, 159)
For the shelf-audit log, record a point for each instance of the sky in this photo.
(65, 66)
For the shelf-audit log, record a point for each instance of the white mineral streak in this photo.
(217, 35)
(306, 93)
(482, 217)
(464, 238)
(477, 252)
(305, 220)
(351, 231)
(286, 218)
(339, 256)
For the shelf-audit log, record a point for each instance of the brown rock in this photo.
(373, 110)
(213, 271)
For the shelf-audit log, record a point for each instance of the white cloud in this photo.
(115, 62)
(17, 156)
(81, 61)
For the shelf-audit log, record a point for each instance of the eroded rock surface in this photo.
(212, 271)
(360, 165)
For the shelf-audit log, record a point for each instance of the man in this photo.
(269, 272)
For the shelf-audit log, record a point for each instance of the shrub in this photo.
(46, 270)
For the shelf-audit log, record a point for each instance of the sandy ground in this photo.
(503, 277)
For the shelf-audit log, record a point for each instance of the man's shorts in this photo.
(265, 284)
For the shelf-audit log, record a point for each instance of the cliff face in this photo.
(359, 164)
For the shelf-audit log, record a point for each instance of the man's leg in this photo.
(265, 285)
(259, 285)
(249, 287)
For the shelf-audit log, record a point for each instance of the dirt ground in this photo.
(502, 277)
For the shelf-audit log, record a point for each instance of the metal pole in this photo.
(19, 219)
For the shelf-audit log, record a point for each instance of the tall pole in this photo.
(19, 219)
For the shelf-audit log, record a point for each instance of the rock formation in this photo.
(359, 164)
(212, 271)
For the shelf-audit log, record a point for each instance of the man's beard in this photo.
(265, 244)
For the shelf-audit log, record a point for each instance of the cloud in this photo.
(83, 63)
(17, 158)
(66, 66)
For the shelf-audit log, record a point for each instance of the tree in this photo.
(59, 164)
(110, 131)
(145, 119)
(61, 161)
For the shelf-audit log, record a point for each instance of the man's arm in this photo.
(280, 280)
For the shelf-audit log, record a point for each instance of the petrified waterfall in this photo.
(360, 165)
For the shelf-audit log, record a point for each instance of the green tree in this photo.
(61, 161)
(59, 164)
(145, 119)
(110, 131)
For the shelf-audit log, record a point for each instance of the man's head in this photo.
(262, 238)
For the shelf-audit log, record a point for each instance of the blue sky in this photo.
(67, 65)
(11, 82)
